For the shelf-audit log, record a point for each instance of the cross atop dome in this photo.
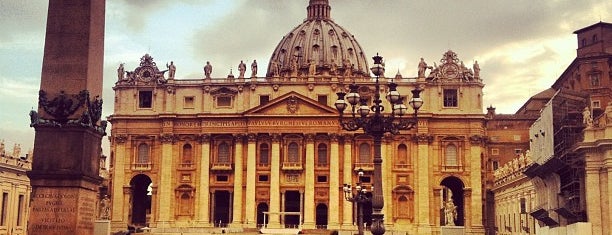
(318, 10)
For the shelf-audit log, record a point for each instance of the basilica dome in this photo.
(318, 46)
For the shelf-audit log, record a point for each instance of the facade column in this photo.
(605, 176)
(347, 177)
(422, 184)
(476, 146)
(237, 195)
(203, 190)
(274, 221)
(302, 206)
(250, 209)
(593, 195)
(388, 179)
(334, 184)
(309, 182)
(165, 188)
(118, 201)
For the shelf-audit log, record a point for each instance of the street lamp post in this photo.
(359, 198)
(376, 125)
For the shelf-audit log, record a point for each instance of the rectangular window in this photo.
(222, 178)
(596, 104)
(224, 101)
(321, 178)
(20, 210)
(495, 152)
(4, 209)
(189, 102)
(145, 99)
(495, 165)
(263, 178)
(264, 99)
(322, 99)
(518, 151)
(517, 137)
(595, 79)
(450, 98)
(365, 179)
(523, 206)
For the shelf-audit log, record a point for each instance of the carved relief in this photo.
(120, 139)
(423, 138)
(292, 104)
(204, 138)
(147, 73)
(168, 138)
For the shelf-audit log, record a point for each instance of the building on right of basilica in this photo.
(566, 187)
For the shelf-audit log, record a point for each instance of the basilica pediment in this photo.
(292, 104)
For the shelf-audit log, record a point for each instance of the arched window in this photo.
(364, 153)
(264, 154)
(450, 155)
(322, 155)
(187, 153)
(223, 153)
(143, 153)
(402, 155)
(293, 153)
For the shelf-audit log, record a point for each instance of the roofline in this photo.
(603, 24)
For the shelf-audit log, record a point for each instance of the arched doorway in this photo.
(261, 217)
(453, 190)
(221, 216)
(141, 199)
(321, 216)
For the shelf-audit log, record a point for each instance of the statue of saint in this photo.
(587, 119)
(207, 69)
(476, 68)
(347, 68)
(120, 72)
(241, 69)
(422, 68)
(171, 70)
(254, 69)
(294, 67)
(450, 212)
(312, 68)
(275, 68)
(16, 150)
(333, 68)
(104, 208)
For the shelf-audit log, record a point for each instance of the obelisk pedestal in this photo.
(67, 146)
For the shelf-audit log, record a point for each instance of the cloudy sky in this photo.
(522, 46)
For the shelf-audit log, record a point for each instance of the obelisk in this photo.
(65, 171)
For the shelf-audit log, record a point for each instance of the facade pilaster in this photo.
(422, 184)
(237, 195)
(166, 193)
(203, 192)
(334, 184)
(118, 202)
(250, 209)
(275, 182)
(309, 182)
(593, 196)
(347, 177)
(476, 145)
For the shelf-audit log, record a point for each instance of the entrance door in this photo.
(222, 208)
(261, 217)
(292, 204)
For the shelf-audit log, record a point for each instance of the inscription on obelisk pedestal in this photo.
(67, 145)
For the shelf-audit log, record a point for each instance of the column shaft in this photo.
(250, 209)
(165, 185)
(274, 183)
(309, 207)
(203, 191)
(237, 199)
(347, 208)
(334, 185)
